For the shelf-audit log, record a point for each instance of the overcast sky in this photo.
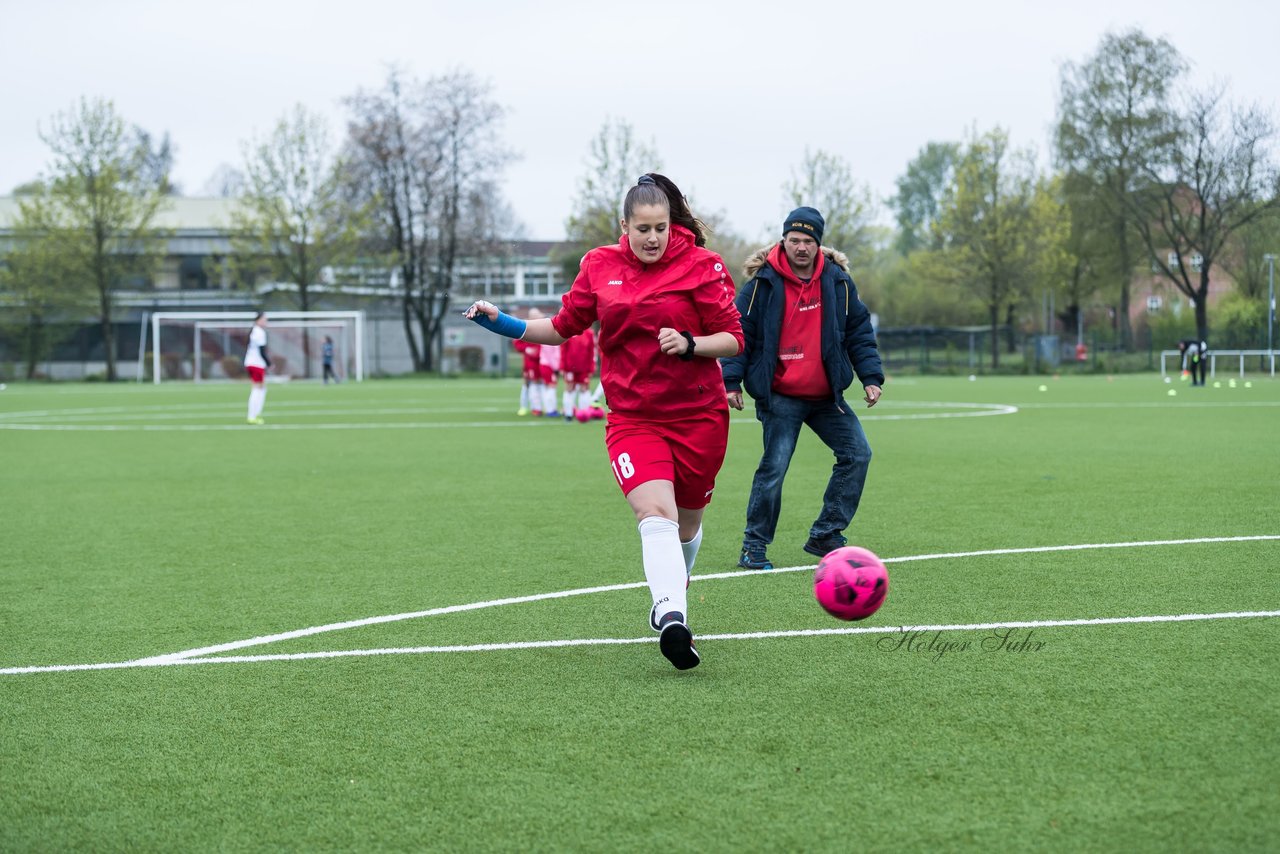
(729, 93)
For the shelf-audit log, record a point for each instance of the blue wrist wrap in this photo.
(512, 327)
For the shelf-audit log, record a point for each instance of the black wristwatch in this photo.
(688, 354)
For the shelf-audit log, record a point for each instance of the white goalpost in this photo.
(209, 346)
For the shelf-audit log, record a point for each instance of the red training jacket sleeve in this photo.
(578, 306)
(715, 304)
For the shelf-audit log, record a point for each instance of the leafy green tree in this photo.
(39, 283)
(825, 181)
(921, 191)
(100, 203)
(1115, 115)
(292, 216)
(996, 231)
(614, 162)
(1089, 242)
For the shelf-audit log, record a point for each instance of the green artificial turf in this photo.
(138, 522)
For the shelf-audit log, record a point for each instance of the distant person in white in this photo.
(256, 364)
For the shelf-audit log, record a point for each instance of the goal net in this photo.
(210, 346)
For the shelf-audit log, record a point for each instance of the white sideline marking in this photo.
(198, 655)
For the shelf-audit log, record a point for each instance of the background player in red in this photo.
(665, 307)
(530, 389)
(549, 366)
(578, 363)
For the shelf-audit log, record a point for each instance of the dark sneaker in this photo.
(820, 546)
(753, 557)
(676, 642)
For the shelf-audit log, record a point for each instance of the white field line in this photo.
(58, 420)
(570, 642)
(199, 654)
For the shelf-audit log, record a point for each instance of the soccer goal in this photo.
(209, 346)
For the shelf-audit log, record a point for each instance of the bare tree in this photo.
(615, 161)
(1217, 178)
(825, 181)
(422, 153)
(466, 124)
(226, 182)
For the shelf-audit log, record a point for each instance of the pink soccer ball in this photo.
(850, 583)
(583, 415)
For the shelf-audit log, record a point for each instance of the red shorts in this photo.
(257, 375)
(688, 452)
(582, 378)
(548, 374)
(531, 374)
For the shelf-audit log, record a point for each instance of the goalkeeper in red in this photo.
(665, 307)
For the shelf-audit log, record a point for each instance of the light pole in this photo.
(1271, 299)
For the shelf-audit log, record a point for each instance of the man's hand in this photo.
(872, 394)
(734, 398)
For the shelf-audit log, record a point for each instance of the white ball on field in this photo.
(1168, 379)
(972, 378)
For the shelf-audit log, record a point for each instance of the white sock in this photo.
(257, 399)
(548, 398)
(568, 407)
(524, 397)
(664, 564)
(535, 396)
(595, 395)
(690, 550)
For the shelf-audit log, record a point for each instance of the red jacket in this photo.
(688, 289)
(531, 353)
(578, 354)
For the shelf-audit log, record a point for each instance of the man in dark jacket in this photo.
(806, 334)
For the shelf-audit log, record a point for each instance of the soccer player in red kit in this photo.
(665, 307)
(530, 391)
(531, 371)
(578, 363)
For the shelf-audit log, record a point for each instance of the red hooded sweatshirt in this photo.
(800, 371)
(689, 289)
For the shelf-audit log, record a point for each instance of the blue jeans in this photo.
(841, 432)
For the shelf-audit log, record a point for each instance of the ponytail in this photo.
(655, 189)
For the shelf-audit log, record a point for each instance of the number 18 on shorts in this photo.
(687, 453)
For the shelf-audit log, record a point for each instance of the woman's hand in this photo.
(672, 342)
(480, 306)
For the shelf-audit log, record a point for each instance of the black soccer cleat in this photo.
(676, 642)
(821, 546)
